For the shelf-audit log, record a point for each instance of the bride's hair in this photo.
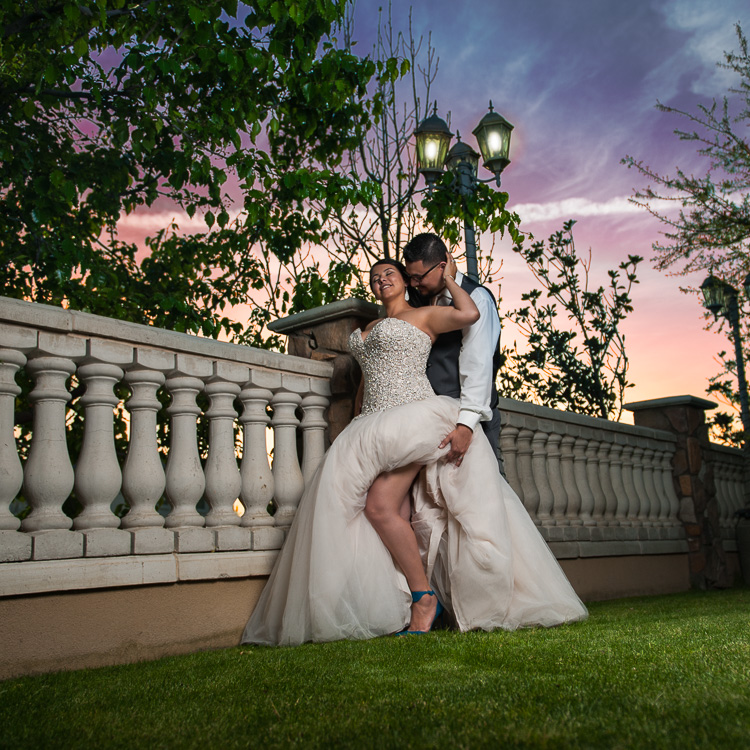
(396, 264)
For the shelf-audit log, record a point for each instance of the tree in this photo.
(252, 115)
(711, 231)
(113, 105)
(712, 228)
(582, 365)
(393, 207)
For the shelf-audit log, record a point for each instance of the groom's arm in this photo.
(475, 374)
(475, 362)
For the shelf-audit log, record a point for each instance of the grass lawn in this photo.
(658, 672)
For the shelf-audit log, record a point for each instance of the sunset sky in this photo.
(579, 80)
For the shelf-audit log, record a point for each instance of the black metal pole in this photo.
(734, 323)
(467, 186)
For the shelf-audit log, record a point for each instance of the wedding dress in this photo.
(335, 579)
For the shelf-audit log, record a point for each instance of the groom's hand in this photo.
(459, 440)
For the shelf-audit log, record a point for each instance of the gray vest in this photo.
(442, 365)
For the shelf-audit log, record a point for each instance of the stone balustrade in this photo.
(592, 486)
(284, 395)
(730, 481)
(628, 509)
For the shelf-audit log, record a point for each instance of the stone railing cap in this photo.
(664, 403)
(85, 326)
(344, 308)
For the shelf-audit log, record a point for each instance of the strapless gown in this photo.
(335, 579)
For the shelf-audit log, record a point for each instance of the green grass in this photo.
(658, 672)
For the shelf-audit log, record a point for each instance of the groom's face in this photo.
(429, 277)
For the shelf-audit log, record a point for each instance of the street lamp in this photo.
(721, 299)
(433, 138)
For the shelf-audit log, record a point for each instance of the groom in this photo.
(462, 364)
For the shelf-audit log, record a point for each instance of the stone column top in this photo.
(671, 401)
(345, 308)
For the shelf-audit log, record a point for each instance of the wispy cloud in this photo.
(149, 221)
(710, 32)
(572, 208)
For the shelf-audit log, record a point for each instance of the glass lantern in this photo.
(433, 138)
(493, 136)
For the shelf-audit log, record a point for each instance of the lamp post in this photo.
(721, 298)
(433, 140)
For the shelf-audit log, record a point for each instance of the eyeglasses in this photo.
(418, 277)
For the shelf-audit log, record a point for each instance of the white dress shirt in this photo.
(475, 359)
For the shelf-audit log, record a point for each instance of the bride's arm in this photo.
(462, 313)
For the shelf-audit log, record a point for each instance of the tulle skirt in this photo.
(484, 557)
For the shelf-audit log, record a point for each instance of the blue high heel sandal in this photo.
(415, 597)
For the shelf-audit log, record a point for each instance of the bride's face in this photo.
(386, 281)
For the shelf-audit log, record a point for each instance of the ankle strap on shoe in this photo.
(417, 595)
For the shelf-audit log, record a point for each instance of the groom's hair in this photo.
(427, 247)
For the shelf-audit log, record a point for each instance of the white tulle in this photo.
(486, 560)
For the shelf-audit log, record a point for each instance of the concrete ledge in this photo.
(525, 415)
(54, 321)
(600, 578)
(73, 630)
(343, 308)
(47, 576)
(573, 549)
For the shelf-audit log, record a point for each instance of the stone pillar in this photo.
(322, 333)
(692, 475)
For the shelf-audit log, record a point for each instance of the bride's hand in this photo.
(450, 268)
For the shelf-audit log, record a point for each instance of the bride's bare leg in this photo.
(384, 508)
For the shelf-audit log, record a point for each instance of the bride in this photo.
(388, 533)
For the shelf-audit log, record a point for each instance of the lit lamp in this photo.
(493, 136)
(433, 138)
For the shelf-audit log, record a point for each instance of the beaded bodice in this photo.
(393, 359)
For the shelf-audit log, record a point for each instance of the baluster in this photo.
(738, 485)
(526, 473)
(605, 480)
(654, 504)
(313, 434)
(658, 469)
(541, 480)
(223, 482)
(185, 479)
(508, 437)
(572, 512)
(97, 474)
(634, 503)
(640, 487)
(143, 479)
(11, 471)
(618, 487)
(286, 472)
(554, 469)
(669, 491)
(48, 477)
(592, 474)
(257, 480)
(579, 468)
